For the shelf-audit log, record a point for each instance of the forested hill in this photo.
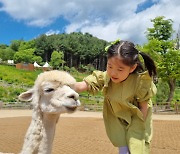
(78, 50)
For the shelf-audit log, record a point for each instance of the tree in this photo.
(169, 69)
(162, 48)
(44, 47)
(26, 45)
(6, 54)
(57, 59)
(161, 30)
(37, 59)
(3, 46)
(24, 56)
(15, 44)
(80, 49)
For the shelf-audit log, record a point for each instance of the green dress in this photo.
(122, 118)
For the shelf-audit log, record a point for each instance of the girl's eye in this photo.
(120, 70)
(49, 90)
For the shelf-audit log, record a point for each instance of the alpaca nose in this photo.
(74, 96)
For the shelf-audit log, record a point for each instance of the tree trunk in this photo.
(71, 60)
(46, 56)
(172, 85)
(103, 63)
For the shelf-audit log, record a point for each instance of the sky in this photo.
(105, 19)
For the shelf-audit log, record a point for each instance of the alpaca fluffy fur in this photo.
(51, 95)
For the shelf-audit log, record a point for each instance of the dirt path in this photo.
(83, 133)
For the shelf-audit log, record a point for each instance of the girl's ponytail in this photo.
(149, 64)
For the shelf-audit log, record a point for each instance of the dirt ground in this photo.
(86, 135)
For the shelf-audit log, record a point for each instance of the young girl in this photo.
(127, 90)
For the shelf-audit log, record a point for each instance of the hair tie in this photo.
(112, 43)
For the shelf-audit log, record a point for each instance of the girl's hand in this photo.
(144, 108)
(80, 86)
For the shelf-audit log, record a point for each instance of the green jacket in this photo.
(122, 118)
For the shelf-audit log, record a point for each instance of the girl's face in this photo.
(117, 70)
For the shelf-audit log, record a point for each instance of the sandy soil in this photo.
(84, 133)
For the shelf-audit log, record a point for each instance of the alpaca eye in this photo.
(49, 90)
(72, 96)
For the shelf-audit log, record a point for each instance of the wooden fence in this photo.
(91, 107)
(167, 108)
(97, 105)
(16, 105)
(29, 67)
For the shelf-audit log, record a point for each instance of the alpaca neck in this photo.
(49, 126)
(40, 134)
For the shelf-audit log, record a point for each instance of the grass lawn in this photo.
(14, 81)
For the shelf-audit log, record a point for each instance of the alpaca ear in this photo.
(26, 96)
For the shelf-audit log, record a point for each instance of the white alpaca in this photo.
(51, 95)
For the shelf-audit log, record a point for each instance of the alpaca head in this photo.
(53, 93)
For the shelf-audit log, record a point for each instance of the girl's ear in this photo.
(133, 68)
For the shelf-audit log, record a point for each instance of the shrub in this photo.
(66, 68)
(162, 91)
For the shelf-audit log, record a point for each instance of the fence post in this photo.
(155, 108)
(1, 104)
(176, 107)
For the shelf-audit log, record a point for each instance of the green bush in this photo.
(162, 91)
(66, 68)
(73, 70)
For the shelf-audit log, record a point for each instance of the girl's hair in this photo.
(130, 56)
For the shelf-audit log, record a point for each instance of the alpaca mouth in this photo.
(71, 108)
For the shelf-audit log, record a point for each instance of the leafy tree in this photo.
(26, 45)
(37, 59)
(169, 69)
(3, 46)
(162, 49)
(15, 44)
(24, 56)
(81, 49)
(44, 47)
(6, 54)
(57, 59)
(161, 30)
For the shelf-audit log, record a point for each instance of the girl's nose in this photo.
(114, 73)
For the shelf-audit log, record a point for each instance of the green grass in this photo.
(11, 75)
(15, 81)
(10, 94)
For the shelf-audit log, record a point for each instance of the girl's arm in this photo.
(80, 86)
(144, 108)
